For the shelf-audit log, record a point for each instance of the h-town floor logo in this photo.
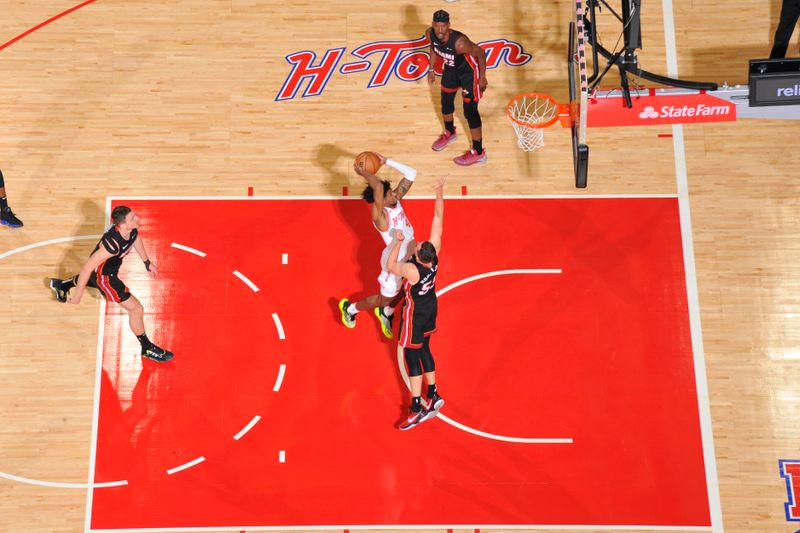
(405, 60)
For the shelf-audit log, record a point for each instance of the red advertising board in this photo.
(653, 108)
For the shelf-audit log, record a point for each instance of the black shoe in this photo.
(55, 286)
(157, 354)
(8, 218)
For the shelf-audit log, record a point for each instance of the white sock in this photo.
(352, 309)
(388, 311)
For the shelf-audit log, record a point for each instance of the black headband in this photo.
(441, 16)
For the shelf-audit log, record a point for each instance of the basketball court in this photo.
(329, 398)
(615, 357)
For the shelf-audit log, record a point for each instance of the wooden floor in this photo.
(178, 98)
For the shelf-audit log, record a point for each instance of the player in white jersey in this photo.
(388, 217)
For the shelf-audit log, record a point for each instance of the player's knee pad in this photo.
(472, 115)
(412, 356)
(448, 103)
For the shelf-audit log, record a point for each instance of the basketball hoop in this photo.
(530, 113)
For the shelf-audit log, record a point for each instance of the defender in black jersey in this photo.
(420, 308)
(101, 271)
(465, 68)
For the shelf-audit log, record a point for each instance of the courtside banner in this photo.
(648, 109)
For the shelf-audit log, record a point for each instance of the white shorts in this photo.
(390, 284)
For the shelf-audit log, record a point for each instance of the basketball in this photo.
(368, 161)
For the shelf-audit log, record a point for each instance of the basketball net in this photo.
(530, 113)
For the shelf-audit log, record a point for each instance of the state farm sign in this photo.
(652, 108)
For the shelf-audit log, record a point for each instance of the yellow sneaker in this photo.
(348, 319)
(385, 322)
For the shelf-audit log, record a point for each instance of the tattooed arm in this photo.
(409, 175)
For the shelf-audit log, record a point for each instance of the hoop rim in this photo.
(540, 125)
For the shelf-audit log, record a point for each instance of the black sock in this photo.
(449, 126)
(431, 390)
(4, 201)
(416, 404)
(67, 284)
(143, 340)
(478, 146)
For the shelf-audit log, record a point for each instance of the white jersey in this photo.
(397, 221)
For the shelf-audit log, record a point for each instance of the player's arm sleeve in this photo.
(110, 245)
(408, 172)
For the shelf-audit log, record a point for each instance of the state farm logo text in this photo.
(405, 60)
(671, 111)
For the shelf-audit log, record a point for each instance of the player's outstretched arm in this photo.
(95, 260)
(438, 215)
(138, 245)
(409, 175)
(406, 270)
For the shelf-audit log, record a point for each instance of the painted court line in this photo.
(45, 243)
(247, 428)
(246, 281)
(279, 379)
(278, 326)
(45, 23)
(186, 465)
(479, 433)
(98, 372)
(410, 197)
(187, 249)
(493, 436)
(58, 485)
(484, 527)
(498, 273)
(692, 296)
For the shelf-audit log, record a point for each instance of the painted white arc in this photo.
(46, 243)
(58, 485)
(522, 440)
(184, 466)
(279, 379)
(246, 281)
(247, 428)
(278, 326)
(188, 249)
(497, 273)
(459, 425)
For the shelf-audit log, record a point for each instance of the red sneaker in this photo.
(414, 418)
(470, 158)
(434, 405)
(443, 140)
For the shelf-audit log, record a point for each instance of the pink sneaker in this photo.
(470, 157)
(443, 140)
